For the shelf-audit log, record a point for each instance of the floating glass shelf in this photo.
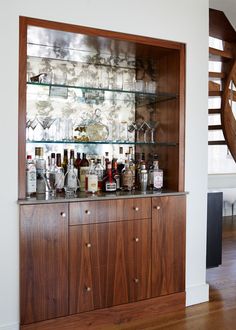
(154, 97)
(164, 144)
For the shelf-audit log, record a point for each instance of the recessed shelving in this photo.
(164, 144)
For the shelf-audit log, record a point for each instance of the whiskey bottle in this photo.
(127, 177)
(91, 180)
(84, 168)
(100, 173)
(30, 177)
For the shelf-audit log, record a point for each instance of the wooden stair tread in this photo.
(213, 86)
(220, 75)
(215, 93)
(219, 55)
(220, 27)
(214, 111)
(214, 143)
(214, 127)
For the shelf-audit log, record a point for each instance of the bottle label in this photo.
(127, 180)
(92, 183)
(83, 172)
(31, 179)
(110, 186)
(157, 180)
(72, 180)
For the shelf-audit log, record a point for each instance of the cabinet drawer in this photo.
(92, 212)
(110, 210)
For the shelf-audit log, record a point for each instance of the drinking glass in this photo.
(46, 123)
(33, 124)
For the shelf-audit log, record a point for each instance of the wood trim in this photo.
(214, 127)
(220, 75)
(111, 317)
(182, 117)
(219, 55)
(215, 93)
(103, 33)
(22, 107)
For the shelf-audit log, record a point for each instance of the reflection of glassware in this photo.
(96, 130)
(123, 131)
(131, 130)
(33, 124)
(28, 122)
(46, 123)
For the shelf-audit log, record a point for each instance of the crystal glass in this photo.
(46, 123)
(33, 125)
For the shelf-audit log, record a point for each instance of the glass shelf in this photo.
(164, 144)
(153, 97)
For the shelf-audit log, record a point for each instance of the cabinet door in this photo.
(168, 245)
(43, 262)
(109, 264)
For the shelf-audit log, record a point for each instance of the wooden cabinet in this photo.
(110, 264)
(168, 245)
(88, 255)
(43, 262)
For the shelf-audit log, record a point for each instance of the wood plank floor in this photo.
(217, 314)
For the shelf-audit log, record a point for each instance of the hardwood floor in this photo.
(218, 314)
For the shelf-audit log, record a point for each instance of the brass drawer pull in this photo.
(88, 289)
(136, 280)
(136, 239)
(136, 208)
(63, 214)
(87, 212)
(88, 245)
(157, 207)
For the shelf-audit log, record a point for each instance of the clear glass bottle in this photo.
(157, 175)
(71, 180)
(116, 174)
(65, 160)
(91, 180)
(100, 173)
(52, 175)
(30, 177)
(40, 164)
(60, 176)
(127, 177)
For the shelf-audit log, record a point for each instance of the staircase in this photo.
(222, 80)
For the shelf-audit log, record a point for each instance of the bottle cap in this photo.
(29, 157)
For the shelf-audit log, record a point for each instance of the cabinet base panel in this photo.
(109, 318)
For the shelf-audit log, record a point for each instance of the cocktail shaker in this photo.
(143, 178)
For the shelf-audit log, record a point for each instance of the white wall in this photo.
(184, 21)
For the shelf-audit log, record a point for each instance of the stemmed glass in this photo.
(28, 123)
(46, 123)
(33, 124)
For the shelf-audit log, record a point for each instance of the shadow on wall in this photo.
(227, 184)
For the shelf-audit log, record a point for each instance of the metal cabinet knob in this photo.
(88, 289)
(136, 208)
(136, 280)
(157, 207)
(87, 212)
(88, 245)
(136, 239)
(63, 214)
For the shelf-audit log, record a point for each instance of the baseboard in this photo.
(197, 294)
(11, 326)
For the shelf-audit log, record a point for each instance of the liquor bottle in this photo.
(106, 159)
(71, 181)
(109, 182)
(30, 177)
(132, 164)
(60, 176)
(156, 176)
(40, 164)
(100, 173)
(91, 180)
(52, 175)
(65, 160)
(84, 168)
(116, 174)
(127, 177)
(77, 162)
(120, 161)
(143, 178)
